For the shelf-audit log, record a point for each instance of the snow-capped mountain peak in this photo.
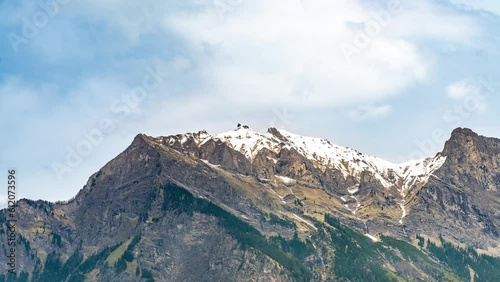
(323, 154)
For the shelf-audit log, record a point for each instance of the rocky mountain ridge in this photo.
(273, 206)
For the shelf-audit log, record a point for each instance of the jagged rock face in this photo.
(263, 166)
(217, 152)
(293, 165)
(473, 161)
(107, 207)
(461, 199)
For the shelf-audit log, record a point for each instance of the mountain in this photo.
(273, 206)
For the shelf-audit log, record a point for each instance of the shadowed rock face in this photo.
(218, 153)
(275, 192)
(472, 161)
(462, 199)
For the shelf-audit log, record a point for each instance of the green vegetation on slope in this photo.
(128, 255)
(274, 219)
(487, 268)
(73, 269)
(23, 277)
(295, 246)
(358, 258)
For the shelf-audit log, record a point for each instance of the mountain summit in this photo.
(321, 154)
(274, 206)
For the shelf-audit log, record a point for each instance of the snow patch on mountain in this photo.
(249, 142)
(210, 165)
(285, 179)
(373, 238)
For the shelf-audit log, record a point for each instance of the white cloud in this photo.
(365, 112)
(272, 52)
(467, 91)
(276, 52)
(461, 89)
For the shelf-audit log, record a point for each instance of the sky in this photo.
(79, 79)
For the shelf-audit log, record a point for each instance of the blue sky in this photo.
(389, 78)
